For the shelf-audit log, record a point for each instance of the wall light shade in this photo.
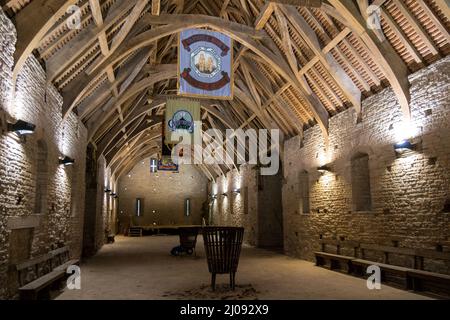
(403, 145)
(324, 169)
(107, 190)
(21, 127)
(66, 161)
(237, 190)
(225, 194)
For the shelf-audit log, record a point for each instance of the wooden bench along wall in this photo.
(30, 270)
(389, 272)
(336, 261)
(425, 280)
(39, 275)
(415, 278)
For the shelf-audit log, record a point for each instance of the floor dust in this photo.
(143, 269)
(222, 292)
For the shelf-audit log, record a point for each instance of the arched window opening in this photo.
(303, 179)
(362, 199)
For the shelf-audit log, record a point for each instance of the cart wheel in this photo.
(190, 251)
(175, 252)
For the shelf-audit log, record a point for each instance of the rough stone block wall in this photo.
(97, 203)
(255, 208)
(61, 220)
(163, 195)
(408, 192)
(231, 210)
(103, 205)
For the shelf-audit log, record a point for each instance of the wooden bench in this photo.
(421, 255)
(411, 277)
(389, 272)
(414, 277)
(61, 259)
(335, 261)
(386, 252)
(38, 276)
(433, 282)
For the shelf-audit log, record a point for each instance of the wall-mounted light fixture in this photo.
(116, 196)
(403, 146)
(407, 147)
(225, 194)
(107, 190)
(66, 161)
(324, 169)
(21, 127)
(214, 196)
(237, 190)
(113, 194)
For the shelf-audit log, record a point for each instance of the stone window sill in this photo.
(364, 212)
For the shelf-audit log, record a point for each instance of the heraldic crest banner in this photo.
(165, 162)
(205, 64)
(181, 115)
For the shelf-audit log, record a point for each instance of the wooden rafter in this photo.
(294, 65)
(32, 23)
(84, 39)
(346, 84)
(393, 67)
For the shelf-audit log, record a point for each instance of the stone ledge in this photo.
(32, 221)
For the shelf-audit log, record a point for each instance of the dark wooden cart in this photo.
(188, 241)
(223, 248)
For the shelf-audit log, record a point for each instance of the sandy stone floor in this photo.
(142, 268)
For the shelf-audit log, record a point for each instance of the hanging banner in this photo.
(205, 62)
(165, 162)
(181, 115)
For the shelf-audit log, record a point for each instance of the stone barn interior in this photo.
(340, 178)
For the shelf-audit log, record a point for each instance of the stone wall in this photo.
(163, 196)
(255, 208)
(236, 209)
(408, 191)
(61, 216)
(97, 203)
(104, 203)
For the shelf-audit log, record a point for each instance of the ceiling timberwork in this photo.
(295, 66)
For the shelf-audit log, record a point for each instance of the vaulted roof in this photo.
(295, 65)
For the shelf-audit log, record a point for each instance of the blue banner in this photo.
(205, 64)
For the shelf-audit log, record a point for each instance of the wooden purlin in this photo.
(417, 30)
